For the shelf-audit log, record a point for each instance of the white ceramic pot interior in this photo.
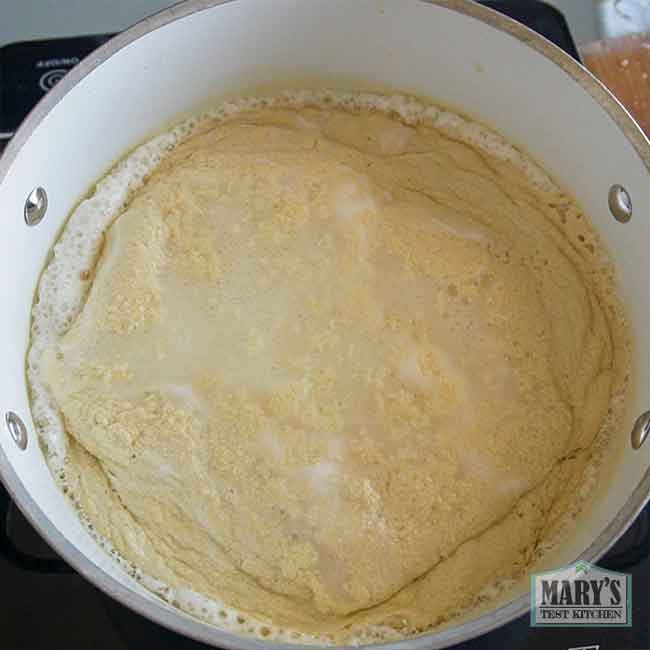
(407, 45)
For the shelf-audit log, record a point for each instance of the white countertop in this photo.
(34, 19)
(23, 20)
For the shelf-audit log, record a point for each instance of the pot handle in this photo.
(12, 554)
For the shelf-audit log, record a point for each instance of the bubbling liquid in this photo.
(93, 244)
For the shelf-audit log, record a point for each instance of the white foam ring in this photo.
(65, 281)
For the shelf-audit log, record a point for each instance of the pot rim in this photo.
(156, 609)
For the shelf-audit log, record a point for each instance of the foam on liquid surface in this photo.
(65, 282)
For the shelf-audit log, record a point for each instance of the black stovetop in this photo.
(46, 606)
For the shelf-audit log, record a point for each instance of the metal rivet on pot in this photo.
(17, 429)
(640, 430)
(35, 206)
(620, 203)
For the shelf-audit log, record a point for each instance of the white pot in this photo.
(454, 51)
